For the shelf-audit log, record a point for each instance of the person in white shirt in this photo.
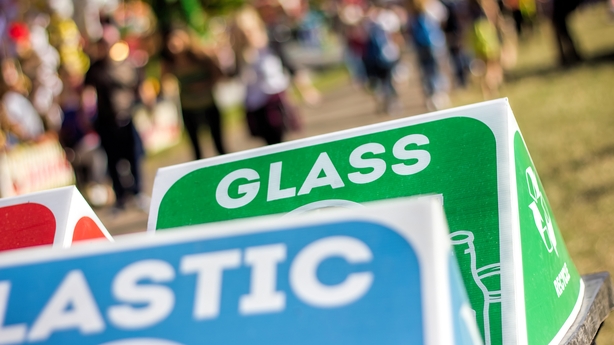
(261, 68)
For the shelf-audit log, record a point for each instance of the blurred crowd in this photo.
(71, 76)
(88, 87)
(454, 41)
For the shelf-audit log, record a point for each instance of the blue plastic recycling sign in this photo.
(346, 282)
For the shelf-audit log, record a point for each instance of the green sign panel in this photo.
(550, 277)
(461, 154)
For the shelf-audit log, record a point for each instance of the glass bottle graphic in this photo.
(486, 278)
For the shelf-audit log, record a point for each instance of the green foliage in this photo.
(220, 7)
(192, 13)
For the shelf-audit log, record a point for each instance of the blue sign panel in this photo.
(465, 329)
(350, 282)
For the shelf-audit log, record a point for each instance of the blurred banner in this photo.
(159, 128)
(32, 167)
(158, 119)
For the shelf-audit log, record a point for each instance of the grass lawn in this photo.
(567, 119)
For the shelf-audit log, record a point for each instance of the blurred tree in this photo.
(194, 13)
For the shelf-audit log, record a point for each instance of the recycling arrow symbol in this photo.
(543, 220)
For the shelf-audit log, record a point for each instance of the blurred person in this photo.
(21, 120)
(45, 61)
(279, 35)
(528, 11)
(523, 13)
(382, 53)
(115, 81)
(486, 44)
(429, 41)
(261, 68)
(561, 9)
(454, 28)
(197, 74)
(81, 142)
(512, 7)
(310, 29)
(355, 35)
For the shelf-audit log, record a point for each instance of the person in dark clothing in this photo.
(116, 81)
(80, 141)
(568, 54)
(197, 75)
(455, 33)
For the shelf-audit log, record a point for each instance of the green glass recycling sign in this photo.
(464, 155)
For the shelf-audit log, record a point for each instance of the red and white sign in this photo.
(58, 217)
